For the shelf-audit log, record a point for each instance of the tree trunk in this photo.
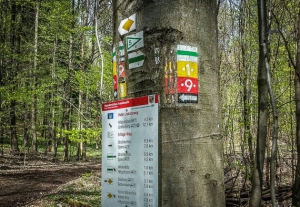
(296, 187)
(257, 175)
(191, 144)
(68, 88)
(15, 47)
(26, 134)
(53, 102)
(34, 97)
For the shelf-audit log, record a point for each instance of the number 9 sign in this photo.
(187, 85)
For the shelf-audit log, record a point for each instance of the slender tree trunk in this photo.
(26, 135)
(67, 104)
(246, 74)
(79, 145)
(191, 144)
(53, 102)
(257, 175)
(296, 187)
(15, 44)
(34, 70)
(68, 88)
(2, 69)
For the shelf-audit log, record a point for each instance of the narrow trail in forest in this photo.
(22, 184)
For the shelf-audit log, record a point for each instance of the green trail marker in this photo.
(136, 59)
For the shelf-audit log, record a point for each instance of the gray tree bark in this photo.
(257, 176)
(191, 144)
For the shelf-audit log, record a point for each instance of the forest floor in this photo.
(37, 181)
(33, 181)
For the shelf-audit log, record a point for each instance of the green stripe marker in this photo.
(110, 169)
(136, 59)
(110, 156)
(189, 53)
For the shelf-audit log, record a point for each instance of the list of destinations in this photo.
(130, 152)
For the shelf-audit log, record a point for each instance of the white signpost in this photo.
(130, 152)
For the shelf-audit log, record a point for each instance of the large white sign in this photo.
(130, 152)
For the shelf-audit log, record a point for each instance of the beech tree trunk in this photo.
(191, 145)
(257, 176)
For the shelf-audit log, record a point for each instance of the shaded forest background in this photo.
(56, 70)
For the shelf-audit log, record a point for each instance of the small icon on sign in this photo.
(110, 125)
(110, 134)
(110, 145)
(110, 156)
(111, 169)
(110, 195)
(151, 99)
(109, 181)
(110, 115)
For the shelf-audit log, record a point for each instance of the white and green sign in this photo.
(136, 59)
(135, 41)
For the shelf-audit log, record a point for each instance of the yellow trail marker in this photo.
(109, 195)
(110, 181)
(128, 24)
(187, 69)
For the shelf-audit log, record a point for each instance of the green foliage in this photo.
(82, 135)
(68, 68)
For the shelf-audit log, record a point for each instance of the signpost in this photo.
(130, 152)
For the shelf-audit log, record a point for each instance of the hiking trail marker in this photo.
(187, 74)
(135, 41)
(136, 59)
(127, 25)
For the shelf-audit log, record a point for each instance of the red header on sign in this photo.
(144, 100)
(187, 85)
